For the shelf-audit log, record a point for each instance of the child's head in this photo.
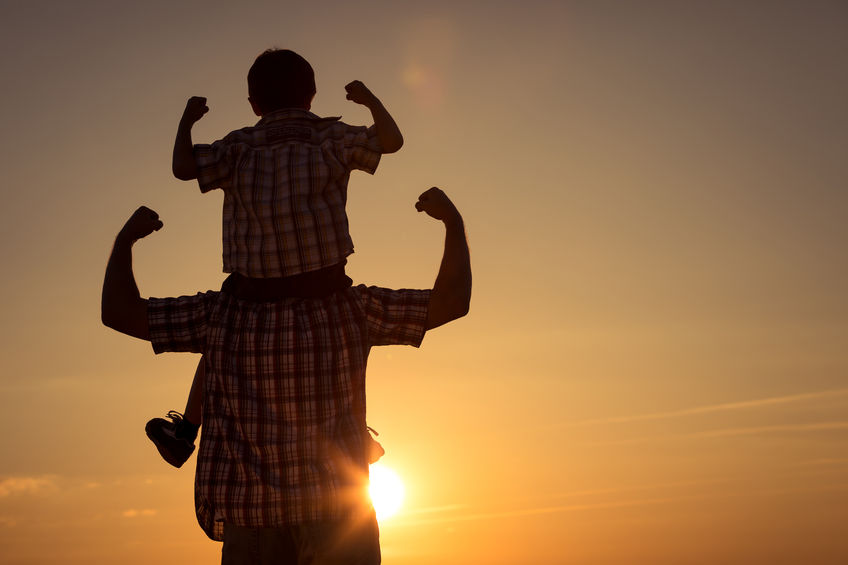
(278, 79)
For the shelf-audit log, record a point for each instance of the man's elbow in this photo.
(184, 174)
(130, 320)
(445, 312)
(461, 309)
(393, 146)
(112, 320)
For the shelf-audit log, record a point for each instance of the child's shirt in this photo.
(285, 190)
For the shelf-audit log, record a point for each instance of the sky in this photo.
(654, 369)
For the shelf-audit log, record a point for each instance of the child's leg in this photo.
(174, 437)
(194, 405)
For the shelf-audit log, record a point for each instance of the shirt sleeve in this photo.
(214, 164)
(395, 317)
(362, 149)
(179, 324)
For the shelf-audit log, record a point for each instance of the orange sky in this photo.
(654, 369)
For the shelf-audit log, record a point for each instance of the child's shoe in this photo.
(174, 439)
(375, 450)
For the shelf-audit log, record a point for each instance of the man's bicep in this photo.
(129, 319)
(438, 311)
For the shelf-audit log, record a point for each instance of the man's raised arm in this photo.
(121, 305)
(451, 295)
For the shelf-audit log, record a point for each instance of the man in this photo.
(282, 468)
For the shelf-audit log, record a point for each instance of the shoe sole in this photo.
(166, 455)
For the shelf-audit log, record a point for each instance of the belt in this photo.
(313, 284)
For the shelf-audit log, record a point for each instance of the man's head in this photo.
(279, 79)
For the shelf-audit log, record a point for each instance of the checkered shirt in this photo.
(284, 433)
(285, 189)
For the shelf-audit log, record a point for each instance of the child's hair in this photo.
(280, 78)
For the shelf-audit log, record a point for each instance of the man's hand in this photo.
(359, 93)
(437, 205)
(142, 223)
(195, 109)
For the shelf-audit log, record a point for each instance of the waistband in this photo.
(314, 284)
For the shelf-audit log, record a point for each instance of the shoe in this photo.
(375, 450)
(174, 439)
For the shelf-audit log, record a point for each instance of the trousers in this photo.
(319, 543)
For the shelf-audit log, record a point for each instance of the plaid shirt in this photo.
(284, 433)
(285, 189)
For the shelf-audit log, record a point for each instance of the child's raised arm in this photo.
(183, 164)
(387, 130)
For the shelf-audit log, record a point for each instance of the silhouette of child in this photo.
(285, 228)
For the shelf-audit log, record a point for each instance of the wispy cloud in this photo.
(810, 427)
(545, 510)
(617, 504)
(823, 462)
(715, 408)
(133, 513)
(435, 509)
(759, 430)
(27, 485)
(663, 486)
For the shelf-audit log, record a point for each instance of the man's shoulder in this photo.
(205, 297)
(393, 316)
(367, 293)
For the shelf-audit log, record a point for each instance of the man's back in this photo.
(284, 438)
(290, 354)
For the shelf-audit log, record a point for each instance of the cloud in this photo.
(133, 513)
(758, 430)
(733, 432)
(714, 408)
(617, 504)
(662, 486)
(549, 510)
(27, 485)
(435, 509)
(824, 462)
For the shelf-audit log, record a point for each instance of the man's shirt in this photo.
(285, 191)
(284, 437)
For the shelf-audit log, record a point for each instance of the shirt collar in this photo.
(293, 113)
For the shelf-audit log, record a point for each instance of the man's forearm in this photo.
(387, 130)
(451, 295)
(183, 164)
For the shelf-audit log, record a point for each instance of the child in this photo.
(285, 228)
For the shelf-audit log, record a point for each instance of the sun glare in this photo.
(386, 490)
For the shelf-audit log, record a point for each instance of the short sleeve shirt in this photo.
(284, 432)
(285, 190)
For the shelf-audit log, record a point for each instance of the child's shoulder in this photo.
(321, 128)
(241, 134)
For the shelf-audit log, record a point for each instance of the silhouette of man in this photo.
(282, 467)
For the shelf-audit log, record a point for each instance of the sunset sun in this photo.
(386, 491)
